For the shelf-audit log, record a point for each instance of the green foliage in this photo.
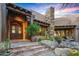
(1, 45)
(4, 46)
(39, 39)
(74, 53)
(58, 38)
(5, 53)
(7, 43)
(33, 29)
(50, 38)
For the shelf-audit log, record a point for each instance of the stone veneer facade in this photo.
(48, 17)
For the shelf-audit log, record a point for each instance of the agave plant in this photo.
(5, 46)
(74, 52)
(7, 43)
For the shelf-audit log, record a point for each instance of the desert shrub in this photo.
(5, 53)
(7, 43)
(58, 39)
(5, 46)
(1, 45)
(41, 38)
(51, 38)
(74, 53)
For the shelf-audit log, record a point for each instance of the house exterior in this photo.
(14, 21)
(67, 26)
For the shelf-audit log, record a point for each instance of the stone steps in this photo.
(32, 52)
(45, 53)
(27, 50)
(30, 49)
(21, 44)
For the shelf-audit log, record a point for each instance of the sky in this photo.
(61, 9)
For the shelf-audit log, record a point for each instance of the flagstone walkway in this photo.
(21, 44)
(30, 49)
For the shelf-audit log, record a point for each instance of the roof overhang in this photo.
(65, 27)
(18, 9)
(42, 23)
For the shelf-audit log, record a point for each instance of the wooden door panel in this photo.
(16, 31)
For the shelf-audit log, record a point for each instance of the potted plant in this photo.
(33, 30)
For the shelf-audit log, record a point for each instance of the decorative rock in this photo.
(51, 44)
(69, 44)
(54, 44)
(74, 45)
(62, 51)
(36, 38)
(64, 44)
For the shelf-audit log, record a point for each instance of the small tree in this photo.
(33, 29)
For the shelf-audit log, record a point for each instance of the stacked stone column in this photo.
(50, 20)
(2, 21)
(77, 33)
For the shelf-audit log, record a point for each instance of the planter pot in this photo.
(34, 38)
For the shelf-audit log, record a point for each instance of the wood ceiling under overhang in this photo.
(42, 23)
(25, 12)
(18, 9)
(65, 27)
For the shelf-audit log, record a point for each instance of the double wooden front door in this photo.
(16, 30)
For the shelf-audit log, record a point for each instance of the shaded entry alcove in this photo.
(16, 30)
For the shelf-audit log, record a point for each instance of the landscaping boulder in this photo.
(69, 44)
(64, 44)
(51, 44)
(62, 51)
(74, 45)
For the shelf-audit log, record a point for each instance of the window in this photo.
(16, 29)
(13, 29)
(19, 30)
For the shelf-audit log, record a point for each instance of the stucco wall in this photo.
(67, 20)
(62, 21)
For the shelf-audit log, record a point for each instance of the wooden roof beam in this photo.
(10, 8)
